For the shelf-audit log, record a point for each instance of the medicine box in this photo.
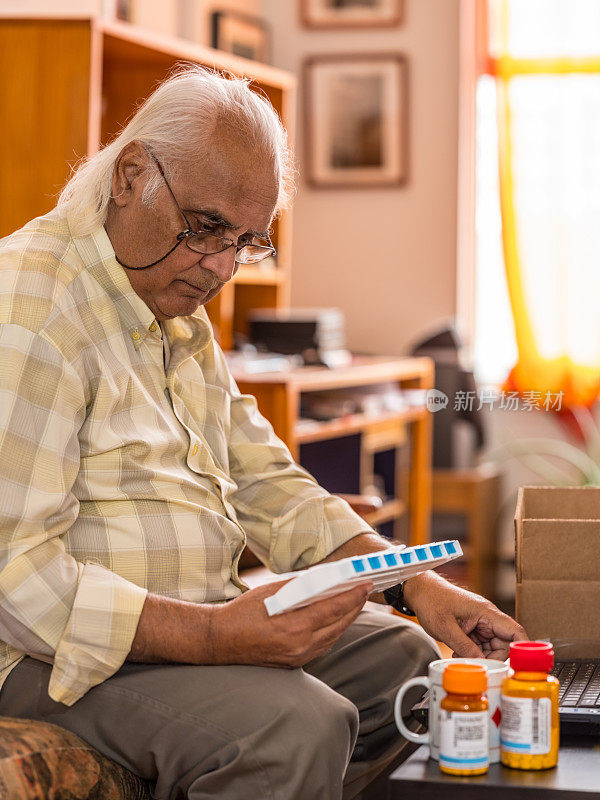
(383, 569)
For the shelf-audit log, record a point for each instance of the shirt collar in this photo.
(95, 249)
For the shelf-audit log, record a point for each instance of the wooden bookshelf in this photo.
(66, 88)
(279, 395)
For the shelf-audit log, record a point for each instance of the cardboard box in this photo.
(557, 542)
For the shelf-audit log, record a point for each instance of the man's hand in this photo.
(242, 632)
(466, 622)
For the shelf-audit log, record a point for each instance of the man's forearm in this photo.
(173, 631)
(240, 631)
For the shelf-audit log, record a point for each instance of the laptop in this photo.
(579, 695)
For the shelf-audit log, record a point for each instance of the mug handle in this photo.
(420, 738)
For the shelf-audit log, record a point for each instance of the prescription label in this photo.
(526, 725)
(464, 739)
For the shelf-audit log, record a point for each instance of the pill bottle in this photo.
(464, 726)
(530, 728)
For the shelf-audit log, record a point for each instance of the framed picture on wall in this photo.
(241, 34)
(356, 120)
(123, 10)
(350, 13)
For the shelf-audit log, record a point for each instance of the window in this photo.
(538, 106)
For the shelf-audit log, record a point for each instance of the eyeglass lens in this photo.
(208, 245)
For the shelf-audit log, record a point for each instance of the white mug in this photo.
(497, 671)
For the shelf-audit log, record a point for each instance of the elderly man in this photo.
(133, 472)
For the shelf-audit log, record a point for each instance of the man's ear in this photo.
(131, 164)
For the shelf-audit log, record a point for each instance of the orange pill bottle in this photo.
(464, 725)
(530, 727)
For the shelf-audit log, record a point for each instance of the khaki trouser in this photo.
(243, 732)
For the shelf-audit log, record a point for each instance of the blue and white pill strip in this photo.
(384, 568)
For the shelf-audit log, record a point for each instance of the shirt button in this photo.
(153, 327)
(135, 335)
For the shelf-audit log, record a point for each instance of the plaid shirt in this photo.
(118, 477)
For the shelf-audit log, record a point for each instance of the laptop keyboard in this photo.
(579, 683)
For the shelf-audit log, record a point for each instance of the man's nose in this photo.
(223, 264)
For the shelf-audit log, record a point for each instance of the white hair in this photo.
(177, 124)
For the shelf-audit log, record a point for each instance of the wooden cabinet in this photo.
(475, 495)
(68, 85)
(352, 444)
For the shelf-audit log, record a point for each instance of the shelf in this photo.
(354, 423)
(130, 43)
(363, 370)
(391, 509)
(255, 276)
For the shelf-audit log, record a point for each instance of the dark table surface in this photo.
(577, 777)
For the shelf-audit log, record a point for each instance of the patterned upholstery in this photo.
(39, 761)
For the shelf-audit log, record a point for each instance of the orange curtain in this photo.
(553, 289)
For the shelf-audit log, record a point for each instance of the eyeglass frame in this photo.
(184, 235)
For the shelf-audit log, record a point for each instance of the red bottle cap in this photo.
(531, 656)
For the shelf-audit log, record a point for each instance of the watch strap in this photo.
(394, 597)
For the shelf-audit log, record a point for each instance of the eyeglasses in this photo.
(206, 242)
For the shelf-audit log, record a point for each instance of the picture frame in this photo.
(241, 34)
(123, 10)
(356, 120)
(351, 13)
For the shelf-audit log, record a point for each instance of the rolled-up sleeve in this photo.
(289, 519)
(83, 617)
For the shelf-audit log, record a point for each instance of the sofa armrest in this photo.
(38, 759)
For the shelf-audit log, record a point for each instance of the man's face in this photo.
(230, 195)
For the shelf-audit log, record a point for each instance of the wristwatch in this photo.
(394, 597)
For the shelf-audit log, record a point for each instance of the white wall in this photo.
(407, 281)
